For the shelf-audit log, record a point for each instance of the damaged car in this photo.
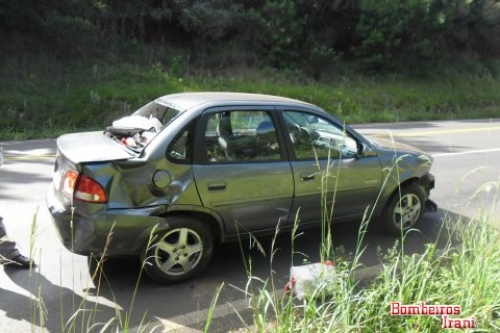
(189, 170)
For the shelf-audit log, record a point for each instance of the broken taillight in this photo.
(83, 188)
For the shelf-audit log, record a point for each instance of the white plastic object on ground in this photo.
(305, 279)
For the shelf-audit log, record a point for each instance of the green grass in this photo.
(465, 274)
(42, 98)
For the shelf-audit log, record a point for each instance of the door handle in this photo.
(307, 177)
(217, 185)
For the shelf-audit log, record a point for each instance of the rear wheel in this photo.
(403, 210)
(179, 253)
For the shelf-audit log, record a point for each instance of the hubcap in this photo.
(407, 211)
(179, 251)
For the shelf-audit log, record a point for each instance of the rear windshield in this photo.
(138, 129)
(161, 112)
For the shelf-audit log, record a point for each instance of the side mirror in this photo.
(365, 151)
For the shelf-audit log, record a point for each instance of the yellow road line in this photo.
(28, 157)
(426, 133)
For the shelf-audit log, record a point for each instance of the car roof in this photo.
(184, 101)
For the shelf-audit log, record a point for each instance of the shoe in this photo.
(22, 262)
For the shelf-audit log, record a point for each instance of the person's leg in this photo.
(9, 254)
(8, 249)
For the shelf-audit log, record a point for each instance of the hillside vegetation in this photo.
(75, 65)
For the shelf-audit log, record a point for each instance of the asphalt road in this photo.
(466, 156)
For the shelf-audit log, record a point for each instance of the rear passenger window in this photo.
(241, 136)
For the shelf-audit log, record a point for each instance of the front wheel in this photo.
(403, 210)
(179, 253)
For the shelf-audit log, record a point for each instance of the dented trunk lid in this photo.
(92, 147)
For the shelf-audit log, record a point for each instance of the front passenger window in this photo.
(314, 137)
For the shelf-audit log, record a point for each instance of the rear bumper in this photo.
(87, 229)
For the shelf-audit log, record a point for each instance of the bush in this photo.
(396, 35)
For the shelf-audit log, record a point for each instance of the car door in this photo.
(243, 173)
(330, 178)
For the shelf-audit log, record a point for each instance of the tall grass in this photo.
(465, 274)
(79, 314)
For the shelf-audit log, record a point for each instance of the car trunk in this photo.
(75, 150)
(79, 148)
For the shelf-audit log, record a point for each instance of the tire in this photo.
(179, 253)
(404, 210)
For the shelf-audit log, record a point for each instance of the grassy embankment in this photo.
(44, 99)
(463, 276)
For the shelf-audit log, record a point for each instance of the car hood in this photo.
(91, 147)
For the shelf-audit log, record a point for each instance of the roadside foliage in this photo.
(76, 65)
